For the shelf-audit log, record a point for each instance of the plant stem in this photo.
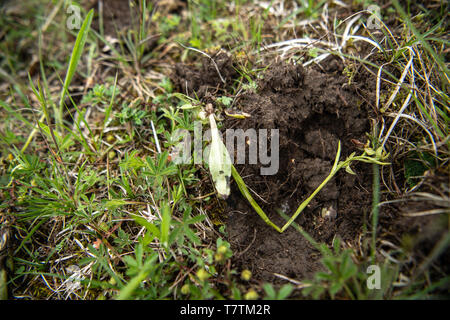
(307, 201)
(375, 208)
(334, 170)
(243, 188)
(336, 167)
(32, 134)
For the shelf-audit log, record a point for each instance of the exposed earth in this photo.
(313, 108)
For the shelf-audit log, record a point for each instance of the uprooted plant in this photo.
(221, 159)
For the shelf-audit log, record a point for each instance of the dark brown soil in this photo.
(120, 15)
(206, 82)
(313, 111)
(117, 16)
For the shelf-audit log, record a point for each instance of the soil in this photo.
(313, 109)
(119, 16)
(206, 82)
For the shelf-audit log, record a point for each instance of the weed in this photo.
(99, 95)
(130, 113)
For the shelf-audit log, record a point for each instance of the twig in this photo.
(251, 243)
(207, 55)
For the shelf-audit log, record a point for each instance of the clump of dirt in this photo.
(313, 110)
(215, 75)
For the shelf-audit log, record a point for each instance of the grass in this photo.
(92, 207)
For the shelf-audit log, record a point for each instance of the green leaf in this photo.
(192, 236)
(348, 268)
(74, 58)
(130, 261)
(134, 283)
(379, 152)
(226, 101)
(324, 276)
(188, 106)
(114, 203)
(285, 291)
(148, 225)
(349, 170)
(236, 293)
(337, 245)
(330, 264)
(335, 288)
(148, 237)
(270, 291)
(196, 219)
(369, 151)
(165, 224)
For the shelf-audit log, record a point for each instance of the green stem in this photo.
(375, 197)
(307, 201)
(243, 188)
(336, 167)
(248, 196)
(334, 170)
(31, 136)
(134, 283)
(375, 208)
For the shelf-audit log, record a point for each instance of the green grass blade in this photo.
(375, 207)
(15, 114)
(29, 235)
(165, 224)
(109, 109)
(74, 59)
